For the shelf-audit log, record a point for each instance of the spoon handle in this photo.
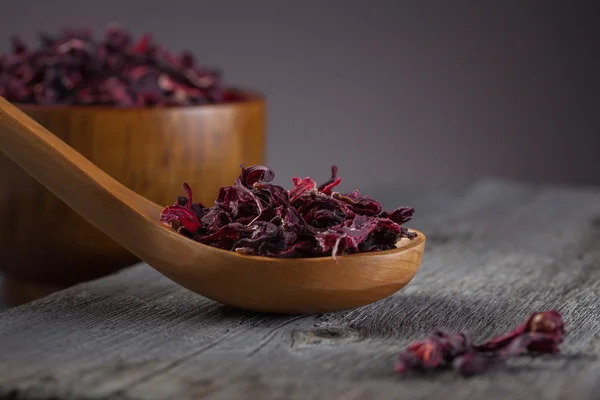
(97, 197)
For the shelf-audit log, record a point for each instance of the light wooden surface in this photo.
(151, 151)
(496, 252)
(268, 284)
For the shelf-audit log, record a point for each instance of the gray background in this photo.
(391, 91)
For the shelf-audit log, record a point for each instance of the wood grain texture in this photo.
(496, 252)
(151, 151)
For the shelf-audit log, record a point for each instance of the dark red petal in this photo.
(143, 45)
(332, 182)
(400, 215)
(300, 187)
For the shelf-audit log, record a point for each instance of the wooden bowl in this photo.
(45, 246)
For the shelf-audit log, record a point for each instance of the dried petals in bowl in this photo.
(74, 69)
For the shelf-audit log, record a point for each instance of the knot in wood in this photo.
(324, 336)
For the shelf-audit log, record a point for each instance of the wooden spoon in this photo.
(292, 286)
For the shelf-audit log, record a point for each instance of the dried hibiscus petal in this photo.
(182, 217)
(540, 334)
(75, 69)
(301, 186)
(360, 204)
(328, 186)
(257, 217)
(547, 323)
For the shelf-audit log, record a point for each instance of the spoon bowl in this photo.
(289, 286)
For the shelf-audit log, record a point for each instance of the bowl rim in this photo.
(248, 96)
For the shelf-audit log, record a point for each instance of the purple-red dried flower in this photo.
(436, 351)
(256, 217)
(74, 69)
(540, 334)
(547, 324)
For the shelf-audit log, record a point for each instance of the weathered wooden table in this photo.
(496, 252)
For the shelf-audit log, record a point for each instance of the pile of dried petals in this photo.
(74, 69)
(540, 334)
(254, 217)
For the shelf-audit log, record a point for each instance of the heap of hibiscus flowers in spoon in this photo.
(255, 217)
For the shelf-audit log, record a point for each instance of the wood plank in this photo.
(496, 253)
